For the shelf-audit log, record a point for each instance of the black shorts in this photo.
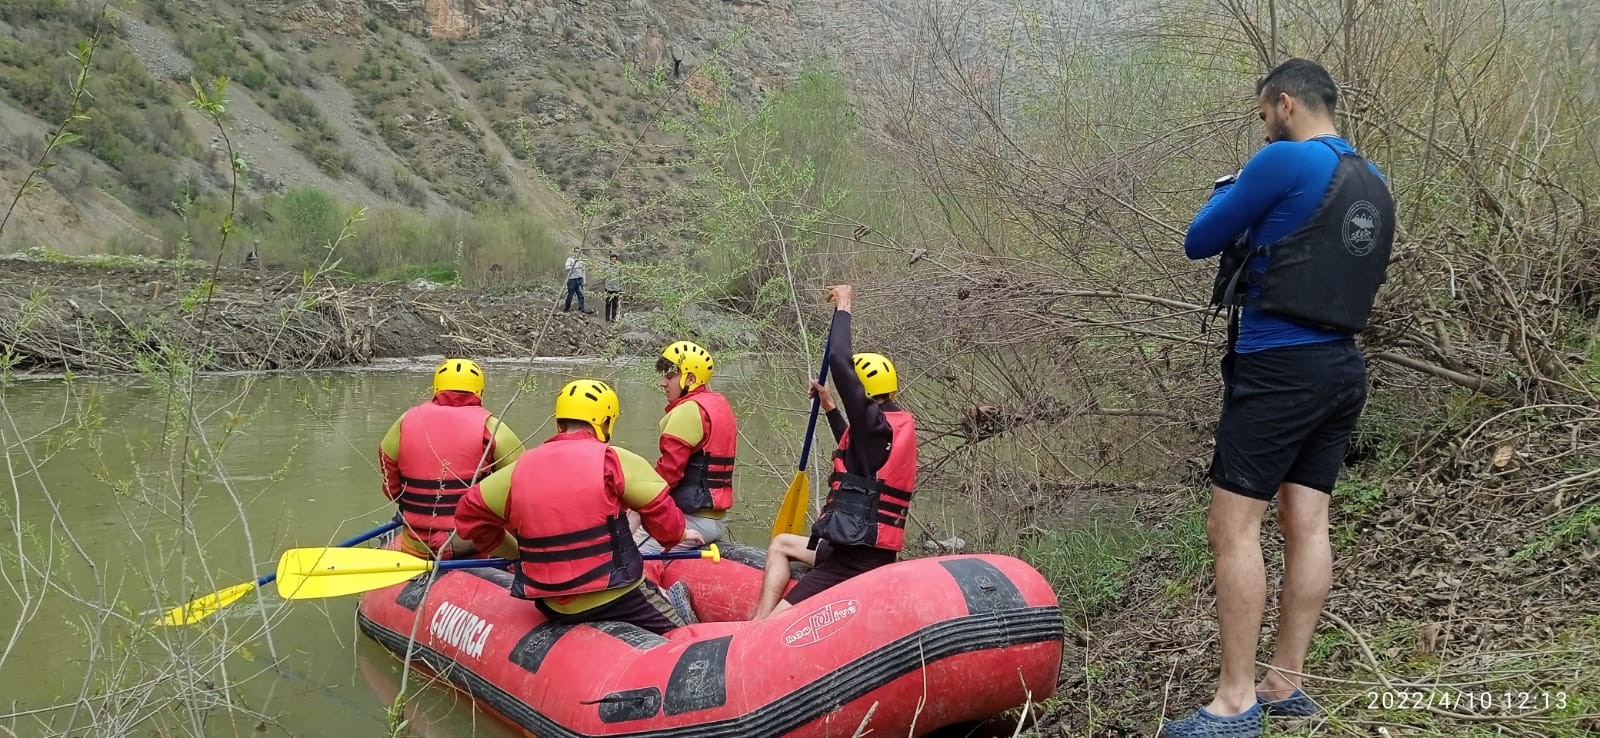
(836, 564)
(645, 606)
(1287, 415)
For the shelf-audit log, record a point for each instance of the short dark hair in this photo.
(1303, 80)
(664, 365)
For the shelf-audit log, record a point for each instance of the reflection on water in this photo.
(288, 460)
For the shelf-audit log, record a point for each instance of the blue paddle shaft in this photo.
(499, 563)
(816, 402)
(266, 579)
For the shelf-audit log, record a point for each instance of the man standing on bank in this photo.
(575, 274)
(1317, 223)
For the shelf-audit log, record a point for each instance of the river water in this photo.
(94, 505)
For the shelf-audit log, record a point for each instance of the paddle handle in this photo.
(266, 579)
(816, 402)
(501, 563)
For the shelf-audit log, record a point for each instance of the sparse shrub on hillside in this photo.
(70, 177)
(411, 187)
(475, 67)
(132, 123)
(214, 49)
(152, 182)
(314, 135)
(378, 179)
(77, 14)
(26, 146)
(297, 108)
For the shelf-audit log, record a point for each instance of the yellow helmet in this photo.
(689, 357)
(877, 374)
(463, 375)
(591, 401)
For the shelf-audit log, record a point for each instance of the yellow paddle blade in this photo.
(792, 513)
(310, 573)
(201, 608)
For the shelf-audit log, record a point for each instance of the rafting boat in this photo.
(905, 649)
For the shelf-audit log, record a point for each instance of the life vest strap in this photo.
(443, 507)
(893, 507)
(603, 569)
(437, 484)
(546, 556)
(567, 539)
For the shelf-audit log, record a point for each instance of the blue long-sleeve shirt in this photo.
(1278, 191)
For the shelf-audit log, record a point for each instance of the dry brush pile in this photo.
(128, 318)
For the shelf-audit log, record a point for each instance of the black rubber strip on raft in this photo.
(984, 586)
(410, 598)
(990, 630)
(535, 645)
(699, 680)
(629, 705)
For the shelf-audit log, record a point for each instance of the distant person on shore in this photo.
(438, 449)
(863, 523)
(613, 287)
(1318, 223)
(575, 274)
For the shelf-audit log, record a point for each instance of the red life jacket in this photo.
(871, 511)
(572, 533)
(708, 476)
(444, 449)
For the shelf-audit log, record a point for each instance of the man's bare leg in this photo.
(1233, 526)
(1307, 572)
(785, 547)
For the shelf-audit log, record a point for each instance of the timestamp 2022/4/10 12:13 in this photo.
(1466, 701)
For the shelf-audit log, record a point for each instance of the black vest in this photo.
(1325, 274)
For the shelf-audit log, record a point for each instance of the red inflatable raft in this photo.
(920, 645)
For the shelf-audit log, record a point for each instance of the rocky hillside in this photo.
(538, 106)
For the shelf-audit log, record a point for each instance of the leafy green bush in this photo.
(307, 220)
(214, 50)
